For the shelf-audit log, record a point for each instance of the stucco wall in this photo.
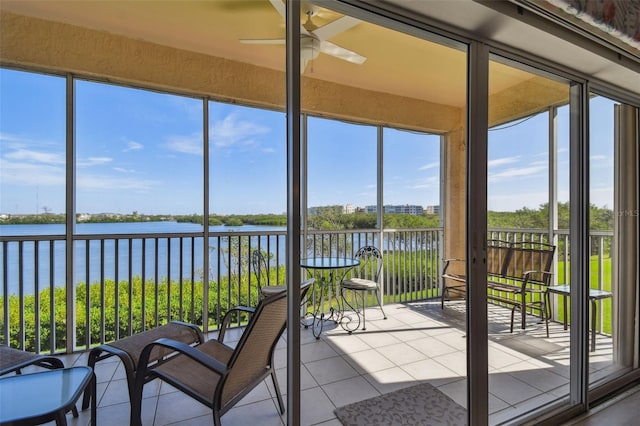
(455, 188)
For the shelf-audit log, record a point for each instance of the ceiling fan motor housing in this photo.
(309, 47)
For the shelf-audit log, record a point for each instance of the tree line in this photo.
(600, 218)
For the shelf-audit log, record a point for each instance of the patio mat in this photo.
(416, 405)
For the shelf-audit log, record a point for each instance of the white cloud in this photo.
(93, 161)
(97, 182)
(29, 167)
(503, 161)
(516, 172)
(429, 166)
(232, 131)
(133, 146)
(123, 170)
(185, 144)
(27, 174)
(18, 142)
(9, 138)
(36, 156)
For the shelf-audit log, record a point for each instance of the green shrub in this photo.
(148, 304)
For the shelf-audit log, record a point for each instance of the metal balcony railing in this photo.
(127, 283)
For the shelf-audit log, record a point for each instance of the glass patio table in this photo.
(326, 287)
(28, 399)
(594, 296)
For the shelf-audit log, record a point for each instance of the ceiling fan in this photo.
(313, 40)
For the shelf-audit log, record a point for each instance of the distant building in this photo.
(432, 210)
(398, 209)
(348, 209)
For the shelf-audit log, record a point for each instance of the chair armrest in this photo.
(226, 320)
(181, 348)
(527, 275)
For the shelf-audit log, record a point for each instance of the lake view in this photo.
(191, 252)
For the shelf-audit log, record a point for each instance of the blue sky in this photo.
(142, 151)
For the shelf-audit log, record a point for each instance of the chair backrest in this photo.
(498, 253)
(370, 263)
(531, 256)
(253, 355)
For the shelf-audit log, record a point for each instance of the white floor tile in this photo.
(390, 380)
(401, 353)
(368, 361)
(418, 344)
(351, 390)
(330, 370)
(315, 407)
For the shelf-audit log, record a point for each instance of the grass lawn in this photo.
(603, 323)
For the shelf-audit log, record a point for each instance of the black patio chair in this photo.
(364, 282)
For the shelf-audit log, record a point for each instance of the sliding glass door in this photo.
(530, 352)
(613, 230)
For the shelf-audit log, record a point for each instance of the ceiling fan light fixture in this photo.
(309, 50)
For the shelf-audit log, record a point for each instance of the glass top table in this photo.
(329, 262)
(28, 399)
(594, 296)
(326, 287)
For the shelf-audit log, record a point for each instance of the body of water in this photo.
(43, 263)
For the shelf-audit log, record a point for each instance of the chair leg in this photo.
(546, 320)
(216, 418)
(93, 356)
(364, 307)
(544, 313)
(277, 388)
(380, 304)
(513, 312)
(135, 398)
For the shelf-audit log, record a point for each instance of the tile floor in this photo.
(418, 342)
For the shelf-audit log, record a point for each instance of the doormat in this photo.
(416, 405)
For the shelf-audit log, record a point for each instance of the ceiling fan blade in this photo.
(262, 40)
(336, 27)
(280, 7)
(340, 52)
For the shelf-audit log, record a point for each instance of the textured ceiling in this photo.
(396, 63)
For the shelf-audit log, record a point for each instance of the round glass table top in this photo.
(329, 262)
